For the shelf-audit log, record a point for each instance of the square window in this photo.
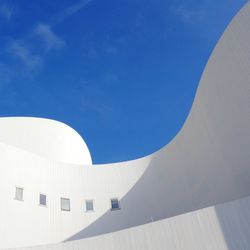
(19, 194)
(43, 200)
(65, 204)
(89, 205)
(115, 204)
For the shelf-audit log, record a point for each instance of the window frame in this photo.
(118, 202)
(20, 188)
(93, 207)
(62, 209)
(39, 201)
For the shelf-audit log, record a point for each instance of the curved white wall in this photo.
(30, 224)
(205, 165)
(48, 138)
(221, 227)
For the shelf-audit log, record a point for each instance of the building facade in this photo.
(194, 193)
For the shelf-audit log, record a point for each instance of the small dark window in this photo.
(115, 204)
(65, 204)
(89, 204)
(43, 200)
(19, 194)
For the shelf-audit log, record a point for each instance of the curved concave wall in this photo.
(206, 164)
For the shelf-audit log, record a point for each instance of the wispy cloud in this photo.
(32, 49)
(71, 10)
(48, 37)
(5, 12)
(188, 14)
(21, 51)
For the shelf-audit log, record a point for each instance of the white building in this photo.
(194, 193)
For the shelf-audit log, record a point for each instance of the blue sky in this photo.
(123, 73)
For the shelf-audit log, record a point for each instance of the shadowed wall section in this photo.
(208, 162)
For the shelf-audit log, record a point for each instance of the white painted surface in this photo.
(206, 164)
(221, 227)
(50, 139)
(31, 224)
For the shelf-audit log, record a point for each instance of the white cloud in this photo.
(71, 10)
(49, 38)
(31, 61)
(187, 14)
(5, 12)
(31, 50)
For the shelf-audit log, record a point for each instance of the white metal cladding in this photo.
(191, 194)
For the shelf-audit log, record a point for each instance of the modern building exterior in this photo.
(194, 193)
